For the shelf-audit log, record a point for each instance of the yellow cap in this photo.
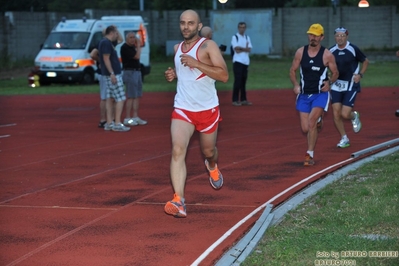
(316, 29)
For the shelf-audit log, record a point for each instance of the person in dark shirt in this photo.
(130, 54)
(312, 91)
(101, 80)
(112, 72)
(343, 92)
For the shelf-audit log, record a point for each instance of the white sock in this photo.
(310, 153)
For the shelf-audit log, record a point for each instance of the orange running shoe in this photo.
(308, 160)
(176, 207)
(215, 176)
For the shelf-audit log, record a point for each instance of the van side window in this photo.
(95, 40)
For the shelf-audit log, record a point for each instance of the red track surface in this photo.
(73, 194)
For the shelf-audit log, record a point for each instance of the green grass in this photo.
(364, 202)
(263, 74)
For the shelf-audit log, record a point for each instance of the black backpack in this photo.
(231, 47)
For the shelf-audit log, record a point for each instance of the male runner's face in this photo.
(314, 40)
(340, 39)
(189, 26)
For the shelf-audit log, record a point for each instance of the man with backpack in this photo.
(241, 47)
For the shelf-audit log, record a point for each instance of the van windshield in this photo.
(66, 40)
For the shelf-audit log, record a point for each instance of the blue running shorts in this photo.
(306, 102)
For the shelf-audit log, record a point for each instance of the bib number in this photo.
(340, 85)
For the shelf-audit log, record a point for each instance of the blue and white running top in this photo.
(195, 91)
(348, 63)
(313, 72)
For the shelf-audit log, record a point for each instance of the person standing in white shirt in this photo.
(241, 45)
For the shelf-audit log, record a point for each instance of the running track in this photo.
(72, 194)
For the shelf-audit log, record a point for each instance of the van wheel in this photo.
(88, 77)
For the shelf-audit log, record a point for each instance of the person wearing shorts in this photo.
(344, 91)
(312, 91)
(198, 64)
(112, 73)
(101, 81)
(130, 54)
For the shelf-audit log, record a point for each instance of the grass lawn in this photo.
(263, 74)
(359, 212)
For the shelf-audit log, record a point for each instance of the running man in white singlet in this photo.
(198, 64)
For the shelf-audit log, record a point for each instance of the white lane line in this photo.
(237, 225)
(5, 136)
(58, 207)
(8, 125)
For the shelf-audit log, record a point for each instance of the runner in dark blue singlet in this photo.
(312, 91)
(343, 92)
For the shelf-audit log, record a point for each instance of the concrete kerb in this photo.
(239, 252)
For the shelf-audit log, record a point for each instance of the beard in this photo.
(190, 36)
(313, 43)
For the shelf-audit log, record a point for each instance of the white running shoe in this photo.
(129, 122)
(357, 125)
(109, 127)
(120, 128)
(139, 121)
(343, 143)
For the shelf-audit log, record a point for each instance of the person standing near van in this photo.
(101, 81)
(112, 72)
(130, 54)
(241, 45)
(343, 92)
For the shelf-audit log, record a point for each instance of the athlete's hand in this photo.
(356, 78)
(170, 74)
(188, 61)
(326, 86)
(297, 89)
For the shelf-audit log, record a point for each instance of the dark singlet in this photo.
(313, 72)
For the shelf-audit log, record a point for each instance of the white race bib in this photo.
(340, 85)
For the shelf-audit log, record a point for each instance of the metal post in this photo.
(141, 5)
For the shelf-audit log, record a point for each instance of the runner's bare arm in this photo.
(329, 60)
(294, 67)
(211, 61)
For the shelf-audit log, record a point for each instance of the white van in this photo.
(65, 55)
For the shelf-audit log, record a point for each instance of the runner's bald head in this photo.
(206, 32)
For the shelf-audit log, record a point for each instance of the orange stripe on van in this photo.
(85, 62)
(56, 59)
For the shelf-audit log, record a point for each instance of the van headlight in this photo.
(71, 65)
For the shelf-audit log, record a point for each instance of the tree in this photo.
(161, 5)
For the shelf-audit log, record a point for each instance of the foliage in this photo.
(321, 3)
(161, 5)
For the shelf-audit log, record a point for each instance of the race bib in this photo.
(340, 85)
